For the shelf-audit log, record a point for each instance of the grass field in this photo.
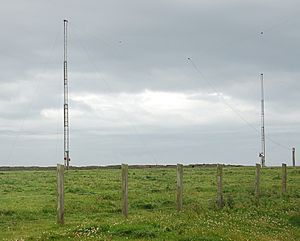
(93, 205)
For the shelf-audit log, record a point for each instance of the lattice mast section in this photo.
(263, 139)
(66, 100)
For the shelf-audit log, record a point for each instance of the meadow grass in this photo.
(93, 205)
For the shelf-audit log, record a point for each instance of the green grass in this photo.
(93, 205)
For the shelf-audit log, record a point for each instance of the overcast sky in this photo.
(135, 97)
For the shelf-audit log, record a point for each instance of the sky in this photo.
(151, 82)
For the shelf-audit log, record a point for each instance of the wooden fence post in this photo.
(125, 190)
(257, 181)
(60, 194)
(293, 156)
(220, 201)
(284, 177)
(179, 198)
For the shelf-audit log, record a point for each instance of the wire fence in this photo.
(156, 190)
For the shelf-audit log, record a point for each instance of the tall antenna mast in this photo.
(263, 139)
(66, 100)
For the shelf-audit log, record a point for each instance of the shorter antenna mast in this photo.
(66, 100)
(263, 139)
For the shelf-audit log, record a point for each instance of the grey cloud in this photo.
(129, 46)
